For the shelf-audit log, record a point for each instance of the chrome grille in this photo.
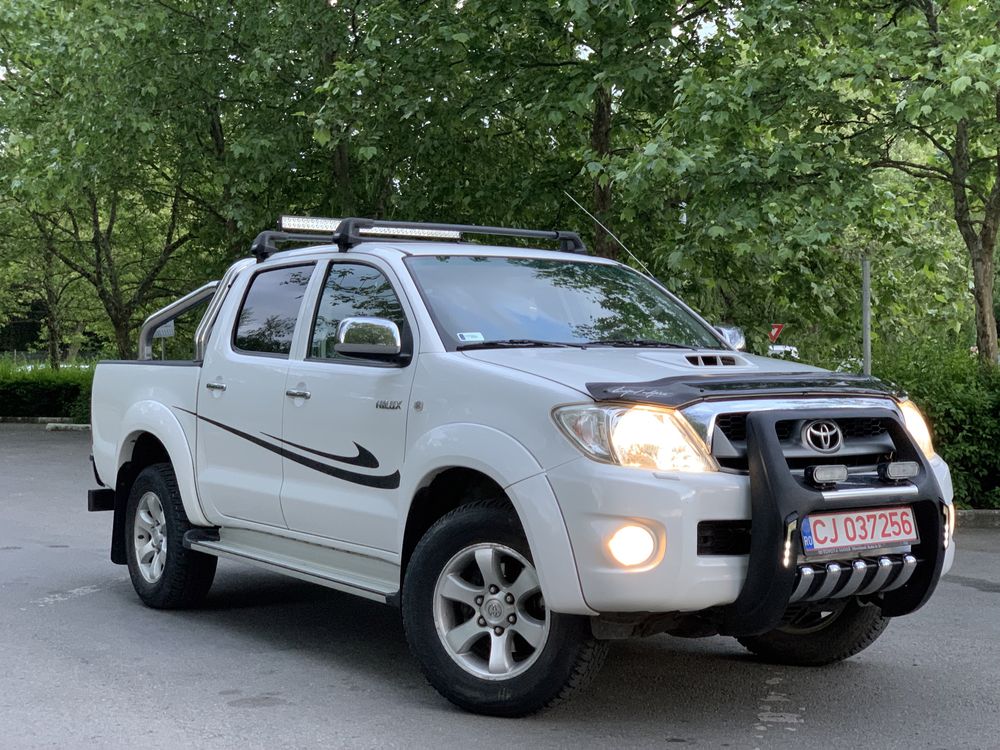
(866, 442)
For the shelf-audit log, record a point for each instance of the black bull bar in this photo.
(780, 501)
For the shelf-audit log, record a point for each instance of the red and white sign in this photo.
(776, 329)
(858, 529)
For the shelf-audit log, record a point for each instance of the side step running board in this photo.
(209, 542)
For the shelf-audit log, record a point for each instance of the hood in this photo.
(578, 367)
(677, 377)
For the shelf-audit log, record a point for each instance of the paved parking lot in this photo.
(271, 662)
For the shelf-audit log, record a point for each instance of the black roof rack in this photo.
(353, 231)
(266, 243)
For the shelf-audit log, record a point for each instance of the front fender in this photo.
(160, 422)
(508, 463)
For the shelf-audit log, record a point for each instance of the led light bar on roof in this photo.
(432, 234)
(308, 224)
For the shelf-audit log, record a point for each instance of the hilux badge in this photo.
(823, 436)
(381, 404)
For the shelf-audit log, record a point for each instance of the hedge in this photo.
(961, 400)
(41, 392)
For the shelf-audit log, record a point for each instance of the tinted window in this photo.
(267, 319)
(353, 290)
(482, 299)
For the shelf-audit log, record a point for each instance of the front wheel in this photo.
(821, 636)
(476, 620)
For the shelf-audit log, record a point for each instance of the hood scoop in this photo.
(715, 360)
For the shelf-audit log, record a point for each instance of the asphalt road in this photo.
(271, 662)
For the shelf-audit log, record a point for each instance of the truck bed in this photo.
(126, 390)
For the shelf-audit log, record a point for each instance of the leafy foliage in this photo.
(748, 153)
(961, 399)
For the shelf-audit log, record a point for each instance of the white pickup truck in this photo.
(528, 451)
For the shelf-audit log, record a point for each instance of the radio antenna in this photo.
(609, 233)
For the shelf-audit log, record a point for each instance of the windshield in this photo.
(479, 302)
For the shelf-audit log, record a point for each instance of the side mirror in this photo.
(368, 336)
(733, 336)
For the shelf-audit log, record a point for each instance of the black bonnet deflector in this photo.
(687, 389)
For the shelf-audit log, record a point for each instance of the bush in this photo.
(961, 399)
(42, 392)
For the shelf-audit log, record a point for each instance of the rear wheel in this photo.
(820, 636)
(164, 573)
(476, 620)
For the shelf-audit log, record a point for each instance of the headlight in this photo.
(640, 436)
(916, 425)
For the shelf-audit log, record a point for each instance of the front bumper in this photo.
(750, 591)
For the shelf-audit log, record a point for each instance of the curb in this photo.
(36, 420)
(979, 519)
(65, 427)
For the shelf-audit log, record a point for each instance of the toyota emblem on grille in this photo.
(822, 435)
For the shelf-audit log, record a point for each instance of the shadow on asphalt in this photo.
(697, 684)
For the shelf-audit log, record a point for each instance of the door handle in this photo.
(297, 394)
(215, 386)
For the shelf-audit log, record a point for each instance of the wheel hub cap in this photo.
(493, 611)
(149, 536)
(489, 612)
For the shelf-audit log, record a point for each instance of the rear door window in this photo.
(270, 310)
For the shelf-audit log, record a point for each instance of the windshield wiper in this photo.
(513, 344)
(639, 343)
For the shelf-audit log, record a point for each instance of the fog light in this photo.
(632, 545)
(898, 470)
(830, 474)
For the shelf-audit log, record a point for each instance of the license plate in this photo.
(858, 529)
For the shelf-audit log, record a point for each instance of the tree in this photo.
(488, 111)
(834, 92)
(141, 136)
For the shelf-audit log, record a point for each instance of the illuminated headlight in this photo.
(916, 425)
(308, 224)
(640, 436)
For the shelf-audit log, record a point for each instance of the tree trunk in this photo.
(982, 244)
(74, 347)
(123, 338)
(53, 327)
(341, 169)
(983, 270)
(54, 336)
(600, 142)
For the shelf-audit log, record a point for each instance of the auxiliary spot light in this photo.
(826, 474)
(308, 224)
(898, 470)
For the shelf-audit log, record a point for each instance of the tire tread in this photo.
(189, 574)
(852, 632)
(587, 660)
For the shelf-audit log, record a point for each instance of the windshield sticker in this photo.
(470, 336)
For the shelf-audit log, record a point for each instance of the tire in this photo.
(165, 575)
(496, 675)
(814, 641)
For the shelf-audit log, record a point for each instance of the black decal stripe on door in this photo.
(364, 458)
(386, 482)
